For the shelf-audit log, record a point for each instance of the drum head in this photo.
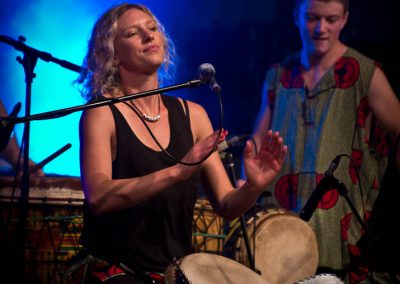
(204, 268)
(286, 247)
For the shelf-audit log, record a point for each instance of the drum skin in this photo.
(205, 268)
(286, 247)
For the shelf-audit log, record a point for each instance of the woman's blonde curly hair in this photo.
(99, 75)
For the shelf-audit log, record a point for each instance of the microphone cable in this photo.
(169, 155)
(357, 172)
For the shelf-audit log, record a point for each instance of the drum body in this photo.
(208, 229)
(53, 225)
(205, 268)
(286, 247)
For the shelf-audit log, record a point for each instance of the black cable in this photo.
(251, 138)
(357, 171)
(165, 151)
(364, 224)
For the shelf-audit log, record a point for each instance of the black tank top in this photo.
(150, 235)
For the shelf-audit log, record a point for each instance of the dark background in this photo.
(239, 38)
(242, 51)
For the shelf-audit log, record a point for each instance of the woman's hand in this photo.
(262, 167)
(199, 151)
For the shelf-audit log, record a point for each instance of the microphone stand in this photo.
(342, 189)
(103, 102)
(29, 60)
(370, 241)
(330, 182)
(45, 56)
(21, 230)
(326, 183)
(231, 167)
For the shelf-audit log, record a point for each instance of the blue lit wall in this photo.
(239, 39)
(62, 28)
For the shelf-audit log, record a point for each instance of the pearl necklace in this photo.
(147, 117)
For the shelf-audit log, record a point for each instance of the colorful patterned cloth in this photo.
(331, 119)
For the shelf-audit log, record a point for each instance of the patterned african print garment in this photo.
(331, 119)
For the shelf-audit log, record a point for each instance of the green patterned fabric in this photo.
(317, 125)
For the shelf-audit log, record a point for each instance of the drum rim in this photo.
(202, 258)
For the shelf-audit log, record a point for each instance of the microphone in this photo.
(207, 74)
(323, 186)
(230, 142)
(6, 128)
(333, 166)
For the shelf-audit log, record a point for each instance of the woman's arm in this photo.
(105, 194)
(260, 168)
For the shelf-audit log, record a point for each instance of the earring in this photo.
(116, 61)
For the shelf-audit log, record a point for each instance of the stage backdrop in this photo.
(240, 38)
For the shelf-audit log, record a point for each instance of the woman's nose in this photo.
(147, 35)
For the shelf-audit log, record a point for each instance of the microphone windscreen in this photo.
(206, 71)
